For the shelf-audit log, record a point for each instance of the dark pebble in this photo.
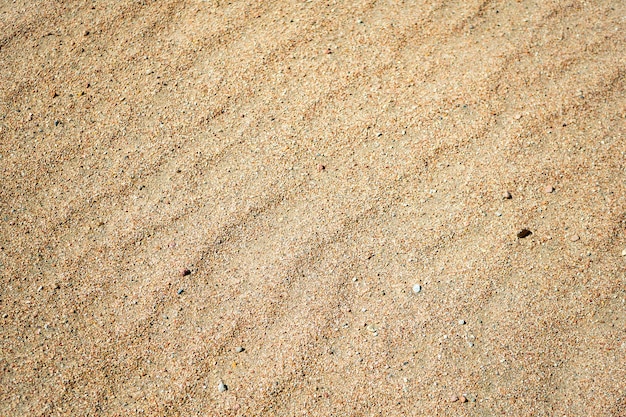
(524, 233)
(185, 272)
(180, 291)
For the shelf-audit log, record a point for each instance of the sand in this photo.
(308, 163)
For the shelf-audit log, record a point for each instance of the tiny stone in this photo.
(548, 189)
(321, 167)
(222, 387)
(185, 272)
(507, 195)
(498, 214)
(624, 252)
(463, 399)
(461, 322)
(454, 398)
(417, 288)
(86, 33)
(180, 291)
(239, 349)
(524, 233)
(574, 238)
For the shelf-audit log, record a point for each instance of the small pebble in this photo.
(498, 214)
(507, 195)
(185, 272)
(417, 288)
(574, 238)
(624, 252)
(86, 33)
(548, 189)
(524, 233)
(239, 349)
(180, 291)
(463, 399)
(321, 167)
(222, 387)
(454, 398)
(461, 322)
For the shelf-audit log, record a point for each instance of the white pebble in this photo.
(461, 322)
(222, 387)
(417, 288)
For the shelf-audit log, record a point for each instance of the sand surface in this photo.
(308, 163)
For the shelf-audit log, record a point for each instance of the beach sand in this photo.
(215, 208)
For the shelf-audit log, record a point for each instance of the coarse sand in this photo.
(223, 208)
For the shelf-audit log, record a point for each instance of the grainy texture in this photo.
(308, 163)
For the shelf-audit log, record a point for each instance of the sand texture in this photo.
(221, 208)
